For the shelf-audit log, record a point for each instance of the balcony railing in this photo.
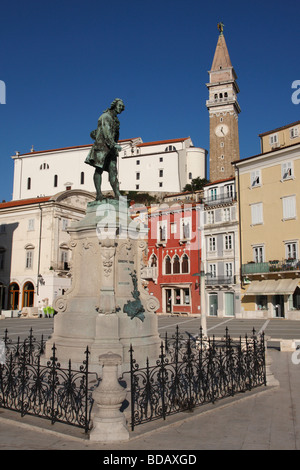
(271, 266)
(220, 281)
(149, 272)
(222, 199)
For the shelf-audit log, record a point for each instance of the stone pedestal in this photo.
(106, 308)
(109, 423)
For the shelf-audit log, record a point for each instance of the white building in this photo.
(163, 166)
(34, 248)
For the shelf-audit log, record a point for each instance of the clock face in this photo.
(221, 130)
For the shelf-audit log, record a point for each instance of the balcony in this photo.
(218, 200)
(271, 266)
(149, 273)
(220, 281)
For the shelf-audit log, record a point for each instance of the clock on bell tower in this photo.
(223, 110)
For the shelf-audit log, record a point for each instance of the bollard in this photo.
(109, 423)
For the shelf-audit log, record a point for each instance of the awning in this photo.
(272, 287)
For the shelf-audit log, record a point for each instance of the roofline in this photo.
(144, 144)
(158, 142)
(219, 181)
(63, 148)
(24, 202)
(279, 128)
(265, 153)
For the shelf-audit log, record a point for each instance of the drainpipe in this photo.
(39, 253)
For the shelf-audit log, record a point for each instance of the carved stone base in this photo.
(106, 308)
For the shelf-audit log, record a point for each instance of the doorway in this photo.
(278, 306)
(168, 300)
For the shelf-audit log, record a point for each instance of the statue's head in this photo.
(118, 105)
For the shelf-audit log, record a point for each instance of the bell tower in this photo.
(223, 110)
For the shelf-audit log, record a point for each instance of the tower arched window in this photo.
(82, 177)
(55, 181)
(28, 183)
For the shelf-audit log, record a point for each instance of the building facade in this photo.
(34, 248)
(174, 257)
(221, 249)
(269, 196)
(157, 167)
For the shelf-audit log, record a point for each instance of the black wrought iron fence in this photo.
(194, 371)
(48, 391)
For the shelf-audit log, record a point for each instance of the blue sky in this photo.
(64, 61)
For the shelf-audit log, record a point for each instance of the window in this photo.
(185, 264)
(273, 139)
(213, 304)
(289, 207)
(259, 254)
(55, 181)
(44, 166)
(291, 250)
(138, 162)
(160, 185)
(213, 194)
(185, 228)
(161, 173)
(212, 244)
(64, 258)
(176, 265)
(286, 170)
(137, 176)
(229, 191)
(14, 292)
(161, 159)
(228, 242)
(210, 217)
(30, 224)
(212, 270)
(162, 231)
(153, 261)
(28, 183)
(137, 186)
(177, 300)
(168, 265)
(29, 258)
(82, 177)
(228, 270)
(261, 302)
(186, 296)
(28, 295)
(170, 148)
(226, 214)
(257, 213)
(255, 178)
(294, 132)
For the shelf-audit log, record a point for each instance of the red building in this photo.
(174, 257)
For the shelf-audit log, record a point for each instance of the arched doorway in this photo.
(28, 295)
(14, 295)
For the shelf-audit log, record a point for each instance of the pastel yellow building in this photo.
(281, 137)
(268, 188)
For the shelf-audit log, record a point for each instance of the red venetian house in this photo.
(174, 257)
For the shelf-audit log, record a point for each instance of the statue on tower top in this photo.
(221, 27)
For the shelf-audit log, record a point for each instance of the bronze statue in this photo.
(104, 152)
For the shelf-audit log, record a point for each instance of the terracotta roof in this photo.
(65, 148)
(219, 181)
(24, 202)
(158, 142)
